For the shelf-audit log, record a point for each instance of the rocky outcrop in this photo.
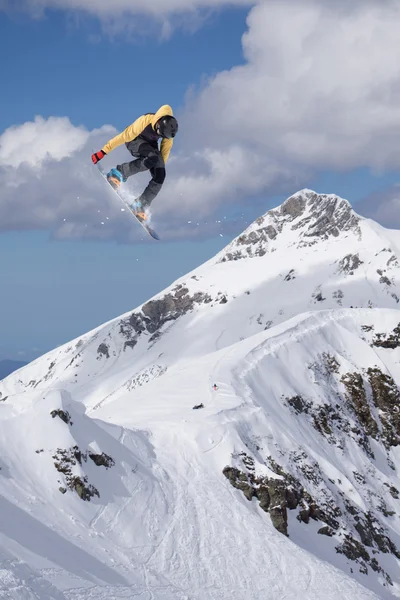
(271, 494)
(103, 350)
(390, 340)
(102, 460)
(63, 415)
(313, 216)
(357, 397)
(358, 534)
(386, 397)
(372, 396)
(276, 495)
(349, 263)
(156, 313)
(66, 459)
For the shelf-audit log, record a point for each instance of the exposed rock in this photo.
(322, 417)
(262, 494)
(383, 279)
(392, 340)
(353, 549)
(326, 530)
(372, 534)
(317, 295)
(331, 363)
(102, 350)
(49, 373)
(338, 295)
(66, 459)
(278, 516)
(359, 477)
(393, 491)
(136, 323)
(328, 216)
(349, 263)
(292, 497)
(290, 275)
(156, 313)
(299, 404)
(84, 490)
(294, 206)
(197, 406)
(247, 460)
(392, 262)
(130, 344)
(63, 414)
(367, 328)
(275, 495)
(323, 216)
(357, 398)
(275, 467)
(102, 460)
(386, 397)
(239, 480)
(271, 232)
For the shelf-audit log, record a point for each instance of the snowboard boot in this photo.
(115, 178)
(139, 210)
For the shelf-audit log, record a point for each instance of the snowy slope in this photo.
(114, 487)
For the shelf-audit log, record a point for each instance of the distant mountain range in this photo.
(8, 366)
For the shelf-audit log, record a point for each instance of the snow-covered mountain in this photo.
(237, 436)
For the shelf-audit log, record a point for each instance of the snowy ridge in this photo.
(283, 481)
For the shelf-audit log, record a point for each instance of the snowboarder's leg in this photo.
(149, 159)
(140, 150)
(131, 168)
(155, 163)
(120, 173)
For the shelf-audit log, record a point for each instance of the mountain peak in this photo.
(324, 214)
(303, 219)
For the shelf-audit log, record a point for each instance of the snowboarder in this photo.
(141, 139)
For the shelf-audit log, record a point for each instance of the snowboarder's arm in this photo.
(165, 149)
(129, 134)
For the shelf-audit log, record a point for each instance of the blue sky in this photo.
(59, 279)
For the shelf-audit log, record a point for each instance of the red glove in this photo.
(98, 156)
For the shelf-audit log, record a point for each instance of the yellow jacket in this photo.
(134, 130)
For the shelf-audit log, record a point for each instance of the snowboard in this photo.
(143, 223)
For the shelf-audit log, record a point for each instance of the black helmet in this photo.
(167, 127)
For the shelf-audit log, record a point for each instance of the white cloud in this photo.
(382, 206)
(40, 140)
(320, 88)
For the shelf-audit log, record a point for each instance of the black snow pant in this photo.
(148, 159)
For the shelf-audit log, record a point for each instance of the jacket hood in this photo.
(163, 111)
